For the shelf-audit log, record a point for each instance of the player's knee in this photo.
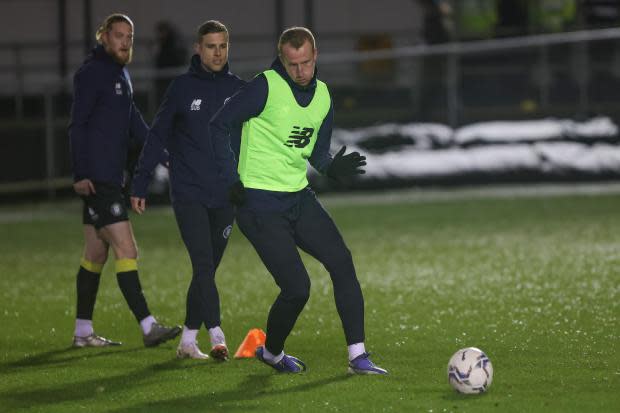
(340, 262)
(127, 250)
(202, 266)
(96, 255)
(298, 295)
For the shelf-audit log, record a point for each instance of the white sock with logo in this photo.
(356, 350)
(83, 328)
(270, 358)
(147, 323)
(217, 336)
(188, 336)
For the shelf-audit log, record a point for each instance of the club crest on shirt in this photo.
(118, 88)
(116, 209)
(227, 231)
(195, 104)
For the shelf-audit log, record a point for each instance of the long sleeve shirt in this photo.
(105, 121)
(182, 127)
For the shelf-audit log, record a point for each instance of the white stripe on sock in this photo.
(217, 336)
(356, 350)
(146, 324)
(270, 358)
(83, 328)
(188, 336)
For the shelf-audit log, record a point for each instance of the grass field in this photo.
(533, 281)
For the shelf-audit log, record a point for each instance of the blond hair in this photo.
(296, 37)
(107, 23)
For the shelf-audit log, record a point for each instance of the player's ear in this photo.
(197, 48)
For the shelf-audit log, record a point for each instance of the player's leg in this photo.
(203, 303)
(121, 239)
(113, 226)
(87, 285)
(317, 234)
(272, 237)
(221, 222)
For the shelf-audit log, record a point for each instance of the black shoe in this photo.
(160, 334)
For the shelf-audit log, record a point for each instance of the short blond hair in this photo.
(296, 37)
(107, 23)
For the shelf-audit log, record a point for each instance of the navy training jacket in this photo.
(181, 126)
(248, 103)
(105, 122)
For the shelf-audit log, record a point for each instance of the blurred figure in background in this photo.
(105, 123)
(203, 212)
(170, 53)
(438, 26)
(552, 16)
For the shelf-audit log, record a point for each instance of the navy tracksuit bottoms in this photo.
(205, 232)
(276, 236)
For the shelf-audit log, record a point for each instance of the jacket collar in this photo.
(99, 53)
(197, 69)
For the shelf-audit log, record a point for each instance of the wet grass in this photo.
(534, 282)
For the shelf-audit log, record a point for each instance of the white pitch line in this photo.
(421, 195)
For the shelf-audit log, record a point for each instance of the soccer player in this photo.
(105, 123)
(200, 203)
(287, 117)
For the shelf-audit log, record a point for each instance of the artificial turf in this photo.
(533, 281)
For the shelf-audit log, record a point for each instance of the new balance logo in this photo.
(118, 88)
(195, 104)
(299, 137)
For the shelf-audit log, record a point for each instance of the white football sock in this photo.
(217, 336)
(147, 323)
(83, 328)
(356, 350)
(188, 336)
(270, 358)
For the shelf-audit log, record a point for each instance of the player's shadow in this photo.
(252, 389)
(88, 389)
(60, 356)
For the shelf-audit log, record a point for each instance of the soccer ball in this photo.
(470, 371)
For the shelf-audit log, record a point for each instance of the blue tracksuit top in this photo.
(105, 121)
(181, 127)
(249, 102)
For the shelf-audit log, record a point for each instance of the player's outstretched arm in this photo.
(346, 165)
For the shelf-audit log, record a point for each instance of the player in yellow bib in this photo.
(286, 114)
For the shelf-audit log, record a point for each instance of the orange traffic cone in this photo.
(254, 339)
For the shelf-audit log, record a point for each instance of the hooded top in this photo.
(181, 127)
(105, 122)
(249, 103)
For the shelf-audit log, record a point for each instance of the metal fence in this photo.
(568, 74)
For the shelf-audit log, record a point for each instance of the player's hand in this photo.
(84, 187)
(236, 194)
(138, 204)
(346, 165)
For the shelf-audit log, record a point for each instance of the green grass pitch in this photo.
(533, 281)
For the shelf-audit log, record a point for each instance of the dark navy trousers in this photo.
(205, 232)
(276, 236)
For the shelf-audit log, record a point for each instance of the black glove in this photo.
(236, 194)
(346, 165)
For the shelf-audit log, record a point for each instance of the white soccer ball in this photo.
(470, 371)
